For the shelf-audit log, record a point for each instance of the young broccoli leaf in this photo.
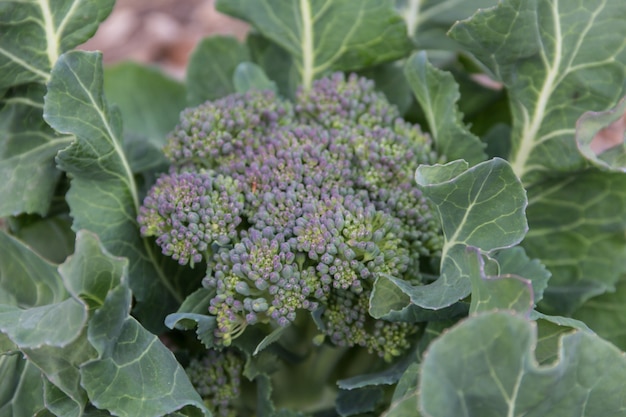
(211, 68)
(483, 206)
(514, 261)
(601, 137)
(558, 59)
(103, 196)
(438, 94)
(325, 36)
(490, 359)
(501, 292)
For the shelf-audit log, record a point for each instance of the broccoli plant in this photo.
(374, 208)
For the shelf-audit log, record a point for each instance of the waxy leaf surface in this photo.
(558, 59)
(323, 36)
(485, 366)
(103, 196)
(438, 94)
(482, 207)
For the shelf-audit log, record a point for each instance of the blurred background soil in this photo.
(160, 32)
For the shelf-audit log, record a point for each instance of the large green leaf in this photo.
(103, 196)
(606, 315)
(36, 33)
(485, 367)
(577, 229)
(211, 68)
(327, 35)
(27, 149)
(438, 94)
(483, 207)
(558, 59)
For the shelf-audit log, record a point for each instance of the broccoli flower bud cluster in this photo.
(297, 207)
(188, 211)
(217, 377)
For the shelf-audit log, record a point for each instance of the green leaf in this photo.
(60, 367)
(276, 62)
(149, 102)
(483, 206)
(486, 367)
(38, 326)
(111, 382)
(514, 261)
(404, 401)
(438, 94)
(211, 68)
(35, 34)
(103, 196)
(59, 403)
(274, 336)
(428, 21)
(501, 292)
(577, 229)
(37, 233)
(114, 362)
(26, 279)
(357, 401)
(249, 76)
(193, 314)
(21, 391)
(550, 329)
(388, 376)
(606, 315)
(27, 152)
(325, 36)
(557, 60)
(389, 78)
(609, 152)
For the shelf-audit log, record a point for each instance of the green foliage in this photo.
(504, 295)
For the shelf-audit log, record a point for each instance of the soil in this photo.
(160, 32)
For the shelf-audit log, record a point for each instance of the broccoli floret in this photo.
(213, 133)
(217, 378)
(259, 279)
(309, 203)
(189, 211)
(336, 101)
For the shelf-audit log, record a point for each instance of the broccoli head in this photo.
(298, 207)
